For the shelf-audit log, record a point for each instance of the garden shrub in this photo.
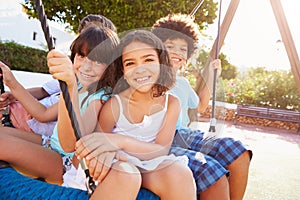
(260, 87)
(19, 57)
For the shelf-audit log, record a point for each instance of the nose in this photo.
(87, 60)
(140, 69)
(178, 51)
(87, 64)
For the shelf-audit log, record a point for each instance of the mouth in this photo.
(142, 80)
(176, 59)
(87, 76)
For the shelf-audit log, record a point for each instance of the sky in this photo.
(251, 38)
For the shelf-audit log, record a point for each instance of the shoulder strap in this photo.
(120, 103)
(167, 101)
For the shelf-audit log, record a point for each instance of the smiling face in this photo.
(87, 71)
(178, 51)
(141, 66)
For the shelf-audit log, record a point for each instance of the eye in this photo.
(80, 56)
(98, 63)
(128, 64)
(169, 46)
(184, 49)
(149, 60)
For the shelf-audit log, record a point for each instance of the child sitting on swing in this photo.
(180, 35)
(138, 123)
(34, 154)
(48, 94)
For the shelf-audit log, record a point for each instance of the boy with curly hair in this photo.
(210, 159)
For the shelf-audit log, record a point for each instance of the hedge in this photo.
(19, 57)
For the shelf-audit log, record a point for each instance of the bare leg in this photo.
(172, 181)
(23, 151)
(122, 182)
(219, 190)
(28, 136)
(238, 179)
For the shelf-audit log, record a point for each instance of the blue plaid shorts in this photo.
(206, 170)
(217, 154)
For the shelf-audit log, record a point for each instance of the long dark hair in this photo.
(98, 44)
(167, 77)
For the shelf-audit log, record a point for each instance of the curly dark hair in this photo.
(176, 26)
(167, 76)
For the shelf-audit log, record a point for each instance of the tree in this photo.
(199, 60)
(229, 71)
(126, 14)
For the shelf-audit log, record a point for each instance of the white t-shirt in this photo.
(53, 89)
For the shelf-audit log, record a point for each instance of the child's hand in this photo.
(6, 99)
(215, 64)
(93, 145)
(100, 165)
(61, 67)
(8, 78)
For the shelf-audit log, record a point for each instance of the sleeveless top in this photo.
(145, 131)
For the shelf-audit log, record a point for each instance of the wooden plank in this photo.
(287, 40)
(202, 78)
(268, 113)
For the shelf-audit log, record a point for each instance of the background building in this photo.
(16, 26)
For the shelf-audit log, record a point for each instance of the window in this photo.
(34, 35)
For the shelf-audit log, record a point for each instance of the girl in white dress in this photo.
(142, 118)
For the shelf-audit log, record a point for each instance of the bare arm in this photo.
(204, 99)
(5, 99)
(38, 92)
(142, 150)
(8, 98)
(88, 120)
(61, 67)
(33, 106)
(205, 94)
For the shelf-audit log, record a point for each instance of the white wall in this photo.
(16, 26)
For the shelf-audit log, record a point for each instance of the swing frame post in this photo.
(284, 31)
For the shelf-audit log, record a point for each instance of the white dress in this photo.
(145, 131)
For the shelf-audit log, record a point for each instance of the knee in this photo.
(179, 178)
(179, 174)
(219, 190)
(245, 158)
(243, 161)
(127, 173)
(4, 138)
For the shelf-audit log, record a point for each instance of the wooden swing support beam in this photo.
(285, 35)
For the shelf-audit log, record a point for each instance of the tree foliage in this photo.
(126, 14)
(229, 71)
(198, 61)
